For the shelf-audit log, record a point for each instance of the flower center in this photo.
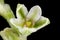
(28, 23)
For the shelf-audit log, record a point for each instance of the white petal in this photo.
(43, 20)
(16, 22)
(21, 11)
(34, 13)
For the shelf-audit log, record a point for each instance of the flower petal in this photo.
(42, 23)
(16, 22)
(21, 11)
(34, 13)
(6, 12)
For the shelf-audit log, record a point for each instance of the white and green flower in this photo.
(31, 21)
(25, 23)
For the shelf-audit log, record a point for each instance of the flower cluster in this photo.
(25, 23)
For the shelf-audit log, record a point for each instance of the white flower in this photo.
(28, 22)
(25, 23)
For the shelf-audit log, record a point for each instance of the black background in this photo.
(48, 32)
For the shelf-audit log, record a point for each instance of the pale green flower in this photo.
(29, 22)
(9, 34)
(25, 23)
